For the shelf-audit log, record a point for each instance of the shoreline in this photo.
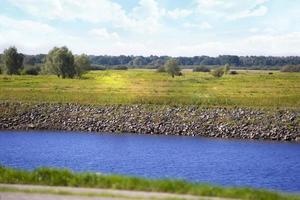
(73, 182)
(236, 123)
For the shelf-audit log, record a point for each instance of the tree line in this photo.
(62, 62)
(254, 62)
(237, 61)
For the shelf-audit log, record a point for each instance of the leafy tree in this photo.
(291, 68)
(161, 69)
(139, 61)
(219, 72)
(13, 61)
(60, 61)
(172, 68)
(226, 68)
(82, 64)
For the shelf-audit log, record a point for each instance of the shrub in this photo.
(81, 64)
(226, 68)
(233, 72)
(201, 69)
(172, 68)
(97, 67)
(291, 68)
(219, 72)
(31, 70)
(161, 69)
(120, 67)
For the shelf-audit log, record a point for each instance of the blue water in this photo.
(274, 166)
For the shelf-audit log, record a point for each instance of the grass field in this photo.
(248, 88)
(62, 177)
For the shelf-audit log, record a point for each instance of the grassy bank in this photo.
(248, 88)
(55, 177)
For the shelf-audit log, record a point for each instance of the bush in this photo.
(233, 72)
(172, 68)
(201, 69)
(219, 72)
(81, 64)
(97, 67)
(121, 67)
(31, 70)
(291, 68)
(226, 68)
(161, 69)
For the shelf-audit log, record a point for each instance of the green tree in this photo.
(219, 72)
(13, 61)
(226, 68)
(60, 61)
(82, 64)
(172, 68)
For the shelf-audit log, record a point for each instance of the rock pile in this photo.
(242, 123)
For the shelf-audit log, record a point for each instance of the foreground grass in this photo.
(248, 88)
(56, 177)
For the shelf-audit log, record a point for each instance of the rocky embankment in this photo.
(243, 123)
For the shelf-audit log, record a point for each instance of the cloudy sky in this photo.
(153, 27)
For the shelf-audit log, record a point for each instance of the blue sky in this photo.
(152, 27)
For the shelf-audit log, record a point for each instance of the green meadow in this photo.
(246, 89)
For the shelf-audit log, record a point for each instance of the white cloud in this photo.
(179, 13)
(143, 29)
(88, 10)
(260, 44)
(232, 9)
(202, 25)
(24, 25)
(25, 34)
(258, 12)
(143, 18)
(103, 34)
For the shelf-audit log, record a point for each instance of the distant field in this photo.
(248, 88)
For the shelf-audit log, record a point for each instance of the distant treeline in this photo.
(238, 61)
(156, 61)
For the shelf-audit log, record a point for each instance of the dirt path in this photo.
(30, 192)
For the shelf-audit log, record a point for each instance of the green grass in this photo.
(248, 88)
(63, 177)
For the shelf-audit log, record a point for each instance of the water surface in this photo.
(269, 165)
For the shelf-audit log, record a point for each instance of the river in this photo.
(257, 164)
